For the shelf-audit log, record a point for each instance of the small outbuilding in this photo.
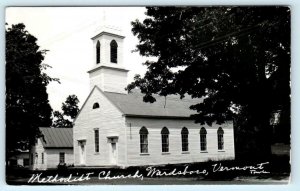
(53, 148)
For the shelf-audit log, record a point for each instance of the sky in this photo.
(66, 32)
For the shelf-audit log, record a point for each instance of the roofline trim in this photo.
(108, 34)
(96, 87)
(84, 104)
(116, 106)
(46, 147)
(157, 116)
(107, 67)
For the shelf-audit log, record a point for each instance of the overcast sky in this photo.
(66, 32)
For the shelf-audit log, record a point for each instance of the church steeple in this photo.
(108, 71)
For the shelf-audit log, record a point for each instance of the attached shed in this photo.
(53, 148)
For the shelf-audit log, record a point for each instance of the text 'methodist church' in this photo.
(116, 128)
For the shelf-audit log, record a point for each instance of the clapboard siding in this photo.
(175, 154)
(52, 157)
(115, 81)
(110, 122)
(109, 80)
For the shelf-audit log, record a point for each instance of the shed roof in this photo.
(57, 137)
(132, 104)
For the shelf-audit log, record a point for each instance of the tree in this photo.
(70, 110)
(236, 58)
(27, 105)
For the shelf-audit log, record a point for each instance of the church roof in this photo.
(172, 106)
(57, 137)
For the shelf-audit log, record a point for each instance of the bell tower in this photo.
(108, 71)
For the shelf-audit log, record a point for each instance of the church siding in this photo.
(175, 155)
(115, 81)
(96, 78)
(110, 122)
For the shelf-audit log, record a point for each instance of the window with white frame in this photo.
(143, 140)
(96, 135)
(165, 140)
(62, 157)
(98, 52)
(185, 139)
(42, 158)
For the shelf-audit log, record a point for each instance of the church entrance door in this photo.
(113, 156)
(82, 155)
(113, 150)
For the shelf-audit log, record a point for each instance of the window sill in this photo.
(165, 153)
(144, 154)
(221, 151)
(203, 152)
(96, 153)
(185, 152)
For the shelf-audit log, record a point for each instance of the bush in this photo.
(62, 167)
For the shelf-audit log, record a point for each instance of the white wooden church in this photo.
(116, 128)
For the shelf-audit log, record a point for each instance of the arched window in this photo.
(185, 139)
(113, 51)
(220, 139)
(96, 105)
(144, 140)
(203, 139)
(165, 140)
(98, 52)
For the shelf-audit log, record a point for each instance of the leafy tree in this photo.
(70, 110)
(236, 58)
(27, 105)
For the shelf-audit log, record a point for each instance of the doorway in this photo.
(82, 153)
(113, 156)
(113, 150)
